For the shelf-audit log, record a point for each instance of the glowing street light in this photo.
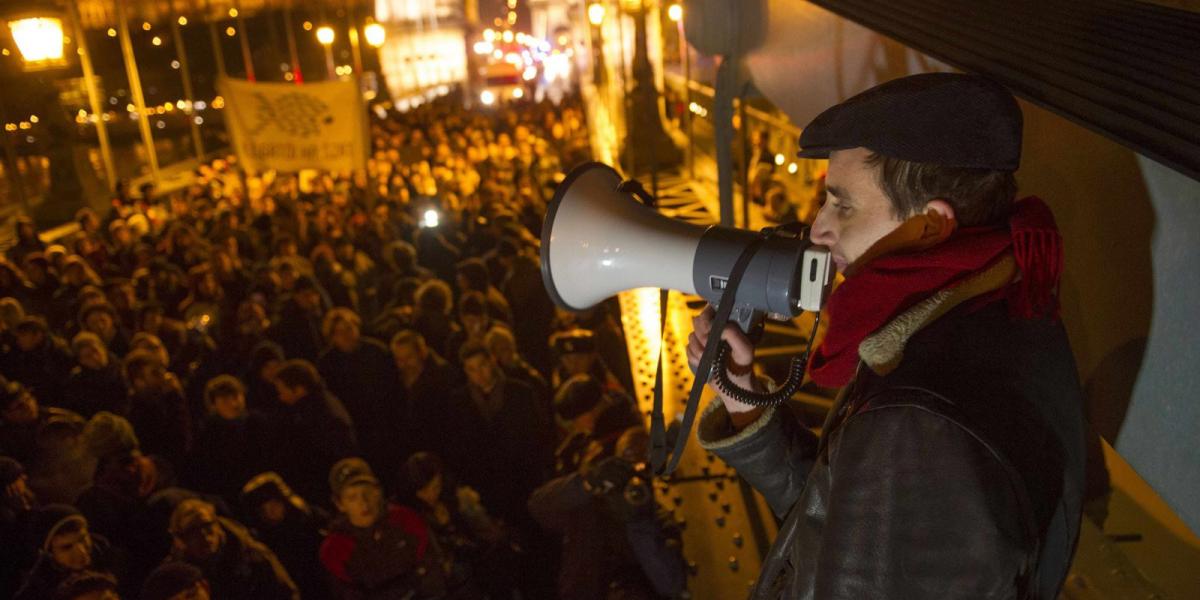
(675, 12)
(595, 13)
(375, 34)
(325, 35)
(40, 40)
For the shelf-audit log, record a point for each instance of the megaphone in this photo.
(598, 239)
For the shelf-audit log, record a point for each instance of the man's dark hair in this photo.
(136, 362)
(83, 583)
(300, 373)
(408, 337)
(476, 273)
(978, 196)
(221, 386)
(471, 349)
(473, 303)
(32, 324)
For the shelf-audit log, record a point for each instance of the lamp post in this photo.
(595, 14)
(37, 30)
(675, 13)
(647, 145)
(325, 36)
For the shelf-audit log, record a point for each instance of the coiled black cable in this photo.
(720, 376)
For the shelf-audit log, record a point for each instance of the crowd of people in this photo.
(325, 385)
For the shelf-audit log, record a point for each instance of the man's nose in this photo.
(822, 233)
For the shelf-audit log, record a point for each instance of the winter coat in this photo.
(244, 568)
(956, 475)
(504, 456)
(91, 391)
(395, 558)
(602, 552)
(228, 453)
(311, 436)
(359, 379)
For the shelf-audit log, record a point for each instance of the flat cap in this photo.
(949, 119)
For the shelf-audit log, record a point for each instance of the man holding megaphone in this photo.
(951, 465)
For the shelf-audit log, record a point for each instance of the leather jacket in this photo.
(957, 473)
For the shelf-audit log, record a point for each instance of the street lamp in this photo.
(675, 12)
(647, 145)
(40, 40)
(595, 13)
(375, 34)
(325, 36)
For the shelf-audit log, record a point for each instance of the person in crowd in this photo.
(587, 414)
(17, 504)
(14, 284)
(40, 360)
(376, 549)
(23, 421)
(95, 383)
(503, 347)
(508, 451)
(290, 527)
(432, 317)
(575, 350)
(354, 367)
(482, 552)
(117, 504)
(522, 287)
(472, 276)
(424, 377)
(27, 238)
(87, 585)
(313, 429)
(298, 327)
(615, 542)
(603, 320)
(99, 317)
(176, 580)
(234, 564)
(65, 546)
(158, 410)
(474, 321)
(258, 375)
(233, 443)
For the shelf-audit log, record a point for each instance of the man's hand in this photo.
(741, 358)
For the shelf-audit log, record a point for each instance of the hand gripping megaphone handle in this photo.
(704, 368)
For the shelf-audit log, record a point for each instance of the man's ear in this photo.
(941, 207)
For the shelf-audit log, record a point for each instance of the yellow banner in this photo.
(289, 127)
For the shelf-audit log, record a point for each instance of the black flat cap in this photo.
(949, 119)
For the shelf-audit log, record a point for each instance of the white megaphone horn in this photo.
(599, 240)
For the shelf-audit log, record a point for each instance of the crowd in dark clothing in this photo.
(318, 385)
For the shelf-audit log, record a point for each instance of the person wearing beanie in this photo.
(65, 546)
(953, 463)
(236, 565)
(176, 580)
(376, 549)
(290, 527)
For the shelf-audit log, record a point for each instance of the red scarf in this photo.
(887, 282)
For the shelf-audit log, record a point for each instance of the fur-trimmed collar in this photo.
(883, 350)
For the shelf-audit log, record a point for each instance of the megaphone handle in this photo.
(704, 368)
